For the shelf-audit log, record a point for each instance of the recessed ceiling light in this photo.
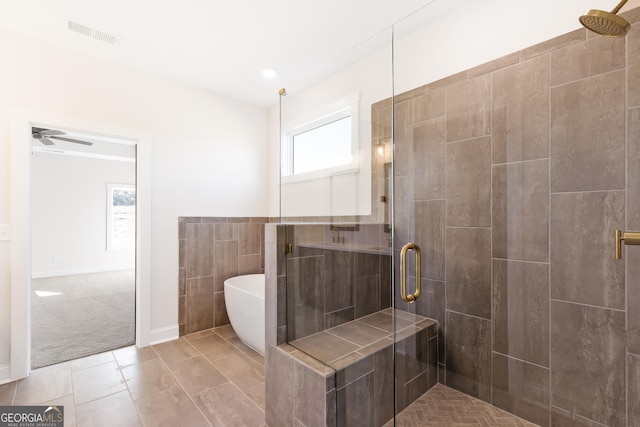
(268, 73)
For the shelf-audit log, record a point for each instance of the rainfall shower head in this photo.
(606, 23)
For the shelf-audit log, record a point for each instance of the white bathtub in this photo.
(244, 298)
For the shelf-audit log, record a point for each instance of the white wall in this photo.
(479, 32)
(69, 214)
(208, 152)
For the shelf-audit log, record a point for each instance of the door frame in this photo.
(21, 123)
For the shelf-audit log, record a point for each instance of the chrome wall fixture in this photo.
(628, 237)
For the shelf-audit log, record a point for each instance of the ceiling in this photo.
(220, 45)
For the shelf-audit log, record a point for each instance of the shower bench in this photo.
(345, 375)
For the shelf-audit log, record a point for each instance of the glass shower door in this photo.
(335, 199)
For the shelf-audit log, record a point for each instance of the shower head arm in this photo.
(618, 7)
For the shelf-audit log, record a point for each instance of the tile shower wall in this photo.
(210, 251)
(333, 283)
(513, 176)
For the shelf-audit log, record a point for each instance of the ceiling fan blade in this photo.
(46, 141)
(76, 141)
(35, 131)
(50, 132)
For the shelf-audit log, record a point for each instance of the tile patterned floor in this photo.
(204, 379)
(445, 407)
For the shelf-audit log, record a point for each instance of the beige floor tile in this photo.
(225, 331)
(44, 384)
(170, 408)
(243, 371)
(256, 393)
(132, 355)
(97, 381)
(113, 410)
(175, 351)
(69, 409)
(213, 346)
(225, 406)
(237, 343)
(7, 391)
(260, 359)
(198, 335)
(197, 375)
(148, 378)
(90, 361)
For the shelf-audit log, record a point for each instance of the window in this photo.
(121, 216)
(324, 146)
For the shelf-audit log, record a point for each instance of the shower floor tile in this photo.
(444, 407)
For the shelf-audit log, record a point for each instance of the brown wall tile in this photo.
(309, 396)
(226, 265)
(199, 250)
(339, 276)
(588, 361)
(583, 267)
(355, 402)
(469, 109)
(249, 238)
(249, 264)
(220, 316)
(402, 138)
(383, 385)
(279, 387)
(633, 171)
(633, 382)
(521, 211)
(305, 296)
(595, 56)
(367, 295)
(468, 183)
(521, 388)
(564, 418)
(520, 119)
(226, 231)
(429, 106)
(587, 137)
(469, 355)
(468, 269)
(631, 257)
(429, 236)
(633, 68)
(429, 160)
(200, 304)
(521, 310)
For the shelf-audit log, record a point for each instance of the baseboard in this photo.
(5, 374)
(73, 271)
(161, 335)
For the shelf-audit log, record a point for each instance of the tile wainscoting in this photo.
(212, 249)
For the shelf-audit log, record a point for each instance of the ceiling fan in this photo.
(46, 135)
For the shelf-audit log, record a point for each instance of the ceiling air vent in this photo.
(87, 31)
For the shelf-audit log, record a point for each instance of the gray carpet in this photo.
(93, 313)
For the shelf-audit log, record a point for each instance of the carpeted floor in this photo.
(79, 315)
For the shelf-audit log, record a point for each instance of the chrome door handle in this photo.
(411, 298)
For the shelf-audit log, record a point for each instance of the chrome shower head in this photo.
(606, 23)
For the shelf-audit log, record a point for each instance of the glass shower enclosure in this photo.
(342, 253)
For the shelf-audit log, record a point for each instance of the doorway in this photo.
(22, 123)
(83, 232)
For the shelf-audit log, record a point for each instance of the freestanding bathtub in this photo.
(244, 298)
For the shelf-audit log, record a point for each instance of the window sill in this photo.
(324, 173)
